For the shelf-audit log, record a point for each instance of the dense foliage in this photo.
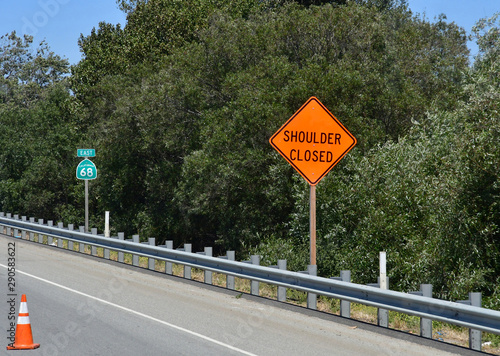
(38, 118)
(180, 103)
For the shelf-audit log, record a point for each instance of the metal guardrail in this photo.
(445, 311)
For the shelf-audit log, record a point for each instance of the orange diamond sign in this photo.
(313, 141)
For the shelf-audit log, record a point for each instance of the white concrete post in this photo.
(383, 270)
(106, 224)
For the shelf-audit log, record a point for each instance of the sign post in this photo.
(313, 141)
(312, 224)
(86, 170)
(86, 205)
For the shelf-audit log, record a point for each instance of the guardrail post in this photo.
(121, 236)
(70, 242)
(2, 214)
(32, 234)
(135, 258)
(94, 248)
(60, 225)
(187, 269)
(16, 231)
(475, 336)
(23, 232)
(312, 270)
(208, 274)
(254, 285)
(81, 245)
(383, 314)
(9, 232)
(426, 324)
(105, 253)
(281, 295)
(50, 239)
(151, 261)
(40, 235)
(345, 306)
(230, 284)
(169, 244)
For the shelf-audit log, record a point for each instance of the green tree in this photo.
(37, 157)
(258, 71)
(154, 28)
(149, 126)
(37, 115)
(430, 199)
(25, 72)
(103, 52)
(193, 116)
(130, 5)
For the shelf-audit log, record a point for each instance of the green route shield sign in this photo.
(86, 170)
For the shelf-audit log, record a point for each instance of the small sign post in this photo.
(86, 171)
(313, 141)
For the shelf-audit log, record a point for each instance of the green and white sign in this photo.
(86, 170)
(85, 152)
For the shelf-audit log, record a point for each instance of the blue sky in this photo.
(464, 13)
(60, 22)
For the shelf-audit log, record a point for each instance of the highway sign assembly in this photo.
(86, 171)
(313, 141)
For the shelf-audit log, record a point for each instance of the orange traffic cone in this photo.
(24, 338)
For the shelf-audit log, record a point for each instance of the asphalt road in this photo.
(82, 305)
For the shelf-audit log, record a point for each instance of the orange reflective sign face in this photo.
(313, 141)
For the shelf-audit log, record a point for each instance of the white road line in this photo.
(138, 313)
